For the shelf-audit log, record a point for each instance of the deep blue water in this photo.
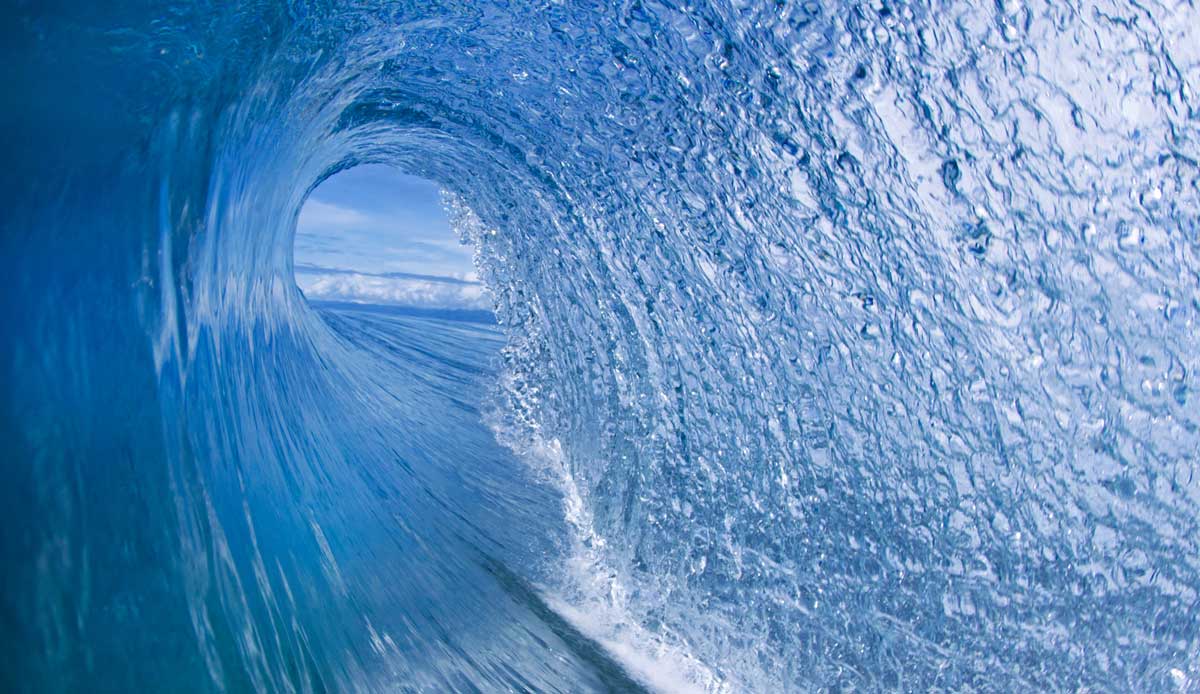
(837, 347)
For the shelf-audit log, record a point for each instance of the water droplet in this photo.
(1151, 197)
(951, 174)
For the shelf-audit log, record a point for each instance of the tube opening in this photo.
(373, 234)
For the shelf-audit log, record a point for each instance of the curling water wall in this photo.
(844, 345)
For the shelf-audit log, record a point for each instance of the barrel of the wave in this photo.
(209, 486)
(860, 344)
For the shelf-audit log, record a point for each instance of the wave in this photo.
(846, 346)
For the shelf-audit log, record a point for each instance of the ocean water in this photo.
(837, 347)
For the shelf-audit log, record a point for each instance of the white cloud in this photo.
(452, 245)
(418, 293)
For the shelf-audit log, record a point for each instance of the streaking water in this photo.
(846, 346)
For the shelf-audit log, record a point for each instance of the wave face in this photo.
(843, 346)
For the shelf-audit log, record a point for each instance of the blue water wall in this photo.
(843, 347)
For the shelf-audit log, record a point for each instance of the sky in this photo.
(364, 233)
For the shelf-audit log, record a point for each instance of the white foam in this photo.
(591, 596)
(645, 657)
